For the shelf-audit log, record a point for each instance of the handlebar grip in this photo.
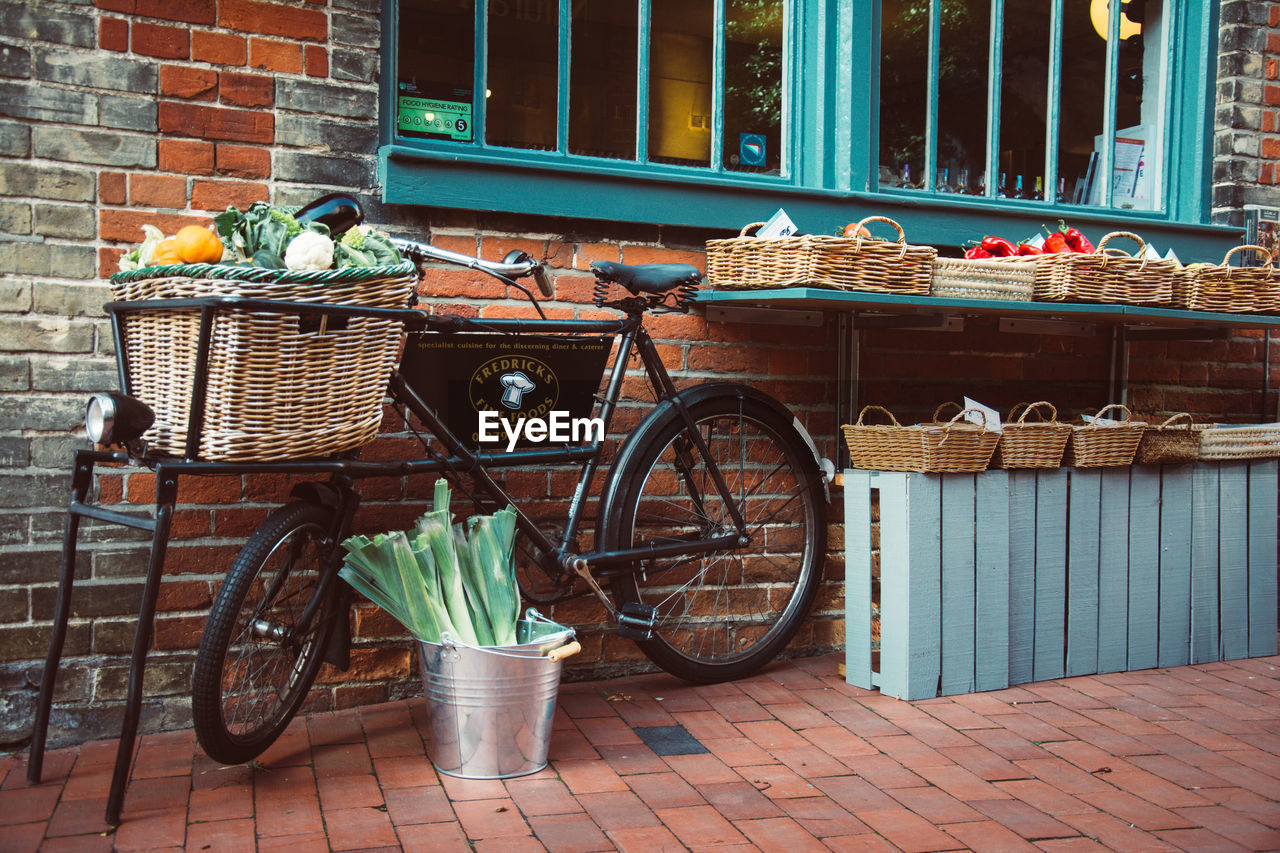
(543, 280)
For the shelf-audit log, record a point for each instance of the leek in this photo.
(436, 579)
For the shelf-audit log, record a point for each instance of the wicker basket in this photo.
(1260, 441)
(1095, 445)
(1032, 444)
(1107, 275)
(953, 447)
(865, 263)
(1008, 279)
(1171, 443)
(277, 387)
(1222, 287)
(747, 263)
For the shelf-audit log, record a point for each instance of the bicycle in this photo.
(710, 528)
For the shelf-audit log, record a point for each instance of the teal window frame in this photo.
(831, 85)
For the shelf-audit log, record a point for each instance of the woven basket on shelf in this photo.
(1095, 445)
(1170, 443)
(1222, 287)
(952, 447)
(866, 263)
(746, 263)
(278, 386)
(1106, 275)
(1008, 279)
(1032, 444)
(1224, 443)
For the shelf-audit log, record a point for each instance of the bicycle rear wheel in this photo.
(266, 635)
(724, 614)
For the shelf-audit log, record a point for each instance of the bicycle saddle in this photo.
(655, 279)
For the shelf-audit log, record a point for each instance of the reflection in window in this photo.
(903, 91)
(680, 82)
(1027, 98)
(602, 79)
(753, 85)
(436, 69)
(520, 108)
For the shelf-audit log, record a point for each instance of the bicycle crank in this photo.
(636, 621)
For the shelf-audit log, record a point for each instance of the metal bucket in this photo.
(492, 707)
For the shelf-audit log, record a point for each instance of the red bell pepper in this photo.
(1075, 239)
(976, 252)
(1056, 242)
(1028, 249)
(998, 246)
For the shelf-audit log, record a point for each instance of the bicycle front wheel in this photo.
(266, 635)
(725, 614)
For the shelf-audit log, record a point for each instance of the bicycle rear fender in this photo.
(612, 492)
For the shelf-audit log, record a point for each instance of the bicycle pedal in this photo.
(637, 621)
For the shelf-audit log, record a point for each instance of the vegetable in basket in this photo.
(437, 579)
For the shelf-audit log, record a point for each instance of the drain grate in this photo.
(670, 740)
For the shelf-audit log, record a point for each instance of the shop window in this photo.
(661, 82)
(1033, 100)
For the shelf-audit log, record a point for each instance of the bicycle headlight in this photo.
(115, 418)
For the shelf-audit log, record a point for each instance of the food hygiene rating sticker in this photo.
(515, 396)
(442, 118)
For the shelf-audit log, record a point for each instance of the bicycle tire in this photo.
(726, 614)
(236, 716)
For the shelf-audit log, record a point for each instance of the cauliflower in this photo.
(141, 256)
(310, 250)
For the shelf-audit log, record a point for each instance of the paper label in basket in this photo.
(779, 225)
(1097, 421)
(992, 422)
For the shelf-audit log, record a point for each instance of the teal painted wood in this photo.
(991, 569)
(929, 178)
(1084, 505)
(1022, 573)
(910, 591)
(857, 578)
(959, 583)
(1144, 566)
(1233, 554)
(1113, 570)
(644, 28)
(1204, 563)
(1053, 101)
(1174, 647)
(1048, 657)
(564, 37)
(995, 79)
(1262, 557)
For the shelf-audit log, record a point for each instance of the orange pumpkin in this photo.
(166, 252)
(197, 245)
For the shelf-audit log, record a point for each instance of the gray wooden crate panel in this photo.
(1022, 568)
(857, 582)
(1113, 571)
(1204, 563)
(991, 669)
(1233, 560)
(1262, 557)
(1174, 644)
(1048, 651)
(959, 583)
(1144, 566)
(910, 587)
(1084, 506)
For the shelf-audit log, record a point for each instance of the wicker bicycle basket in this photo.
(952, 447)
(278, 386)
(1100, 445)
(1173, 442)
(1032, 444)
(1008, 279)
(865, 263)
(746, 262)
(1106, 275)
(1222, 287)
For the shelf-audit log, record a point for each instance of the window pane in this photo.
(753, 85)
(434, 97)
(602, 85)
(520, 104)
(904, 44)
(680, 82)
(1138, 114)
(1084, 52)
(963, 49)
(1024, 97)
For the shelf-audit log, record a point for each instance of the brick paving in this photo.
(794, 760)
